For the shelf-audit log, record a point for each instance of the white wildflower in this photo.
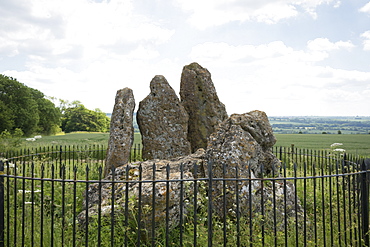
(29, 191)
(10, 165)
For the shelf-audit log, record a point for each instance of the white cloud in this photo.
(366, 42)
(274, 76)
(323, 44)
(365, 8)
(80, 23)
(208, 13)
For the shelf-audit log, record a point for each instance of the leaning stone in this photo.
(199, 97)
(121, 135)
(163, 122)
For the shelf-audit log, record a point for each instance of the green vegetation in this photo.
(79, 118)
(320, 125)
(26, 108)
(353, 144)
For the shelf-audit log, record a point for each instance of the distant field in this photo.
(354, 144)
(78, 138)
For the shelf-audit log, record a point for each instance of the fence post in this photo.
(364, 204)
(1, 204)
(210, 206)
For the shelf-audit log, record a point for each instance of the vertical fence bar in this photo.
(195, 206)
(364, 205)
(167, 202)
(100, 171)
(140, 201)
(112, 207)
(181, 202)
(127, 169)
(23, 202)
(237, 206)
(210, 207)
(2, 218)
(87, 169)
(153, 205)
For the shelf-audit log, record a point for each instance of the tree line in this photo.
(27, 111)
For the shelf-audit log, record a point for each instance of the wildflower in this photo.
(29, 191)
(10, 165)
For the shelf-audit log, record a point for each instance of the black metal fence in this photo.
(320, 199)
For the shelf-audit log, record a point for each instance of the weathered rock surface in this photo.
(121, 136)
(163, 122)
(199, 97)
(238, 151)
(241, 148)
(173, 194)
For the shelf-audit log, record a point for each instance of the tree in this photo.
(49, 115)
(79, 118)
(18, 105)
(26, 108)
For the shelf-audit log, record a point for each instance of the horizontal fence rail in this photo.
(57, 196)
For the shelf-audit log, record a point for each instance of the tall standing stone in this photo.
(199, 97)
(121, 135)
(163, 122)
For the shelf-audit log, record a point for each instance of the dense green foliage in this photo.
(30, 111)
(26, 108)
(79, 118)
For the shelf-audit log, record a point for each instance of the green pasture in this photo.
(354, 144)
(76, 138)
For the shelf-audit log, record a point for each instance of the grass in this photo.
(75, 138)
(353, 144)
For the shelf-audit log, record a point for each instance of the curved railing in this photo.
(323, 195)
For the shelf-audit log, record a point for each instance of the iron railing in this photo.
(44, 198)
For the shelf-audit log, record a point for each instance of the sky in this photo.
(283, 57)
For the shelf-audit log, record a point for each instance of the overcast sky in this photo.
(284, 57)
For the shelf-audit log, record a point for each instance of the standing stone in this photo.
(121, 135)
(199, 97)
(163, 122)
(241, 148)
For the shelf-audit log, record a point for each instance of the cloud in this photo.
(323, 44)
(365, 8)
(275, 77)
(366, 42)
(208, 13)
(52, 29)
